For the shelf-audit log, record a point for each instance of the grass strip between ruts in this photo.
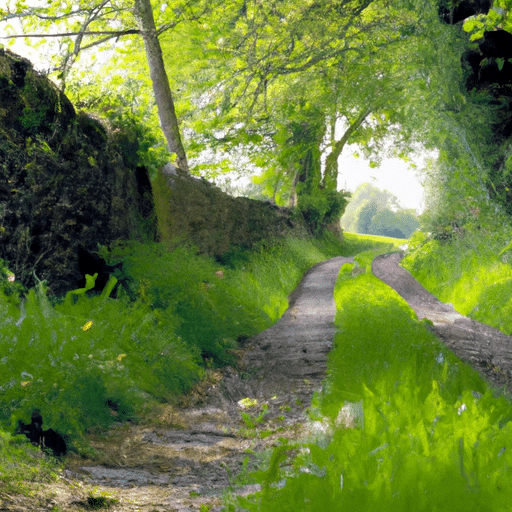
(405, 424)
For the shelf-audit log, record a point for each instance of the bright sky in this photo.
(393, 175)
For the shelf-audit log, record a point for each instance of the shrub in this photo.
(321, 208)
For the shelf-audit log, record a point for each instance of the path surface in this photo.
(190, 455)
(189, 458)
(485, 348)
(295, 348)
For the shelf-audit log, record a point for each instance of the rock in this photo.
(63, 181)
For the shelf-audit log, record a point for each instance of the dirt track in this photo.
(189, 457)
(485, 348)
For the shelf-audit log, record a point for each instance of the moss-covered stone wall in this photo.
(193, 209)
(63, 183)
(65, 187)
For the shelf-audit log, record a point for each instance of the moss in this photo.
(193, 209)
(63, 184)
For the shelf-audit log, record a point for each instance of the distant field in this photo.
(354, 243)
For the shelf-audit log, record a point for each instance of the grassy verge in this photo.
(467, 272)
(355, 244)
(402, 424)
(89, 361)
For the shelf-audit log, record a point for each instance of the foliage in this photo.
(377, 212)
(78, 362)
(290, 79)
(497, 17)
(89, 361)
(472, 272)
(417, 430)
(321, 208)
(89, 26)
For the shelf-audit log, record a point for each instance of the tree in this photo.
(397, 224)
(365, 195)
(297, 81)
(94, 22)
(378, 212)
(144, 14)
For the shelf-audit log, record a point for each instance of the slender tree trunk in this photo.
(331, 162)
(143, 12)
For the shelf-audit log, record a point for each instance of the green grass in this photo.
(467, 273)
(354, 243)
(20, 465)
(89, 361)
(419, 429)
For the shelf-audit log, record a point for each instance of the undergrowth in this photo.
(87, 361)
(469, 272)
(405, 425)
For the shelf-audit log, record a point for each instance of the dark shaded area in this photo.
(45, 439)
(393, 233)
(487, 67)
(454, 11)
(90, 263)
(488, 70)
(64, 184)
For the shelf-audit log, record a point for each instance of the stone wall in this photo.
(193, 209)
(64, 186)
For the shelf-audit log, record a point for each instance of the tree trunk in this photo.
(331, 162)
(143, 12)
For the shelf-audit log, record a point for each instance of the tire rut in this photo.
(486, 349)
(194, 452)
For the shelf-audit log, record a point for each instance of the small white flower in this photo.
(461, 408)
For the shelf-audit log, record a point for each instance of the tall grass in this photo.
(87, 361)
(467, 272)
(405, 425)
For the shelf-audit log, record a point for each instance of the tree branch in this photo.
(110, 33)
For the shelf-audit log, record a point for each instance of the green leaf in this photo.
(470, 24)
(89, 285)
(477, 35)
